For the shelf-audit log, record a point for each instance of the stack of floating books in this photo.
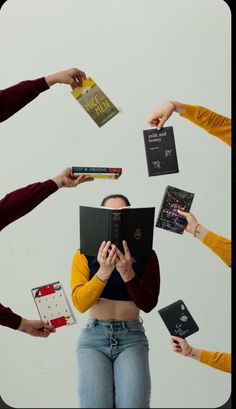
(97, 172)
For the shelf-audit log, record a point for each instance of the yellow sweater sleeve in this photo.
(218, 360)
(85, 292)
(215, 124)
(220, 245)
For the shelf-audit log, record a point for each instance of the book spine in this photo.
(90, 169)
(115, 228)
(99, 175)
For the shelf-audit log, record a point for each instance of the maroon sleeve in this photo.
(14, 98)
(8, 318)
(144, 291)
(20, 202)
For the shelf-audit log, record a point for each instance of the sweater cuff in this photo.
(52, 186)
(191, 112)
(210, 239)
(41, 84)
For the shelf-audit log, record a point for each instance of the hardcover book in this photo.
(97, 172)
(160, 151)
(95, 102)
(52, 305)
(178, 319)
(174, 199)
(135, 225)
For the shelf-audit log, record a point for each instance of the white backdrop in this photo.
(141, 53)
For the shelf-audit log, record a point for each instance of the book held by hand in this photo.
(174, 199)
(94, 101)
(97, 172)
(135, 225)
(178, 319)
(160, 151)
(52, 304)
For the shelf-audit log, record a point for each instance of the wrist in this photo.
(22, 325)
(50, 80)
(59, 181)
(178, 107)
(102, 275)
(128, 276)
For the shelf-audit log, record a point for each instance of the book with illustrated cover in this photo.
(52, 304)
(135, 225)
(178, 319)
(160, 151)
(174, 199)
(97, 172)
(94, 101)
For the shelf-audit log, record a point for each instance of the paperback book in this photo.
(178, 319)
(135, 225)
(95, 102)
(160, 151)
(52, 305)
(174, 199)
(97, 172)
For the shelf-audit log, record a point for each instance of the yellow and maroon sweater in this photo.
(87, 288)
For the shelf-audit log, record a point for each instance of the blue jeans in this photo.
(113, 367)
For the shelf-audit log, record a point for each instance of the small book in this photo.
(178, 319)
(174, 199)
(135, 225)
(160, 151)
(97, 172)
(94, 101)
(52, 304)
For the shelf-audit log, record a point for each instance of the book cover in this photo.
(174, 199)
(160, 151)
(135, 225)
(97, 172)
(52, 305)
(178, 319)
(95, 102)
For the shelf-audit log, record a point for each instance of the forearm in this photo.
(14, 98)
(210, 121)
(143, 296)
(20, 202)
(217, 360)
(8, 318)
(84, 296)
(220, 245)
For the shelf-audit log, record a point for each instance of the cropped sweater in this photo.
(218, 360)
(14, 98)
(219, 126)
(143, 289)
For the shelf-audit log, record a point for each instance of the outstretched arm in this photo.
(14, 98)
(21, 201)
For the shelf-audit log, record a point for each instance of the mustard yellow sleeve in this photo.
(218, 360)
(220, 245)
(85, 292)
(215, 124)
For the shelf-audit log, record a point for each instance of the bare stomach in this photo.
(105, 309)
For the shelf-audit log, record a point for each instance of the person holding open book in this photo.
(217, 125)
(14, 98)
(112, 350)
(15, 205)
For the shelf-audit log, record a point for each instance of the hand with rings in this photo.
(107, 260)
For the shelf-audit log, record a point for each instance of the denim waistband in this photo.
(116, 324)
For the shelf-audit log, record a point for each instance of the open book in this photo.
(135, 225)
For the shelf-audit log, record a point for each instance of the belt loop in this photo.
(140, 320)
(123, 325)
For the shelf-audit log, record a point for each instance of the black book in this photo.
(174, 199)
(135, 225)
(178, 319)
(160, 151)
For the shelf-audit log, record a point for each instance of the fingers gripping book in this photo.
(95, 102)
